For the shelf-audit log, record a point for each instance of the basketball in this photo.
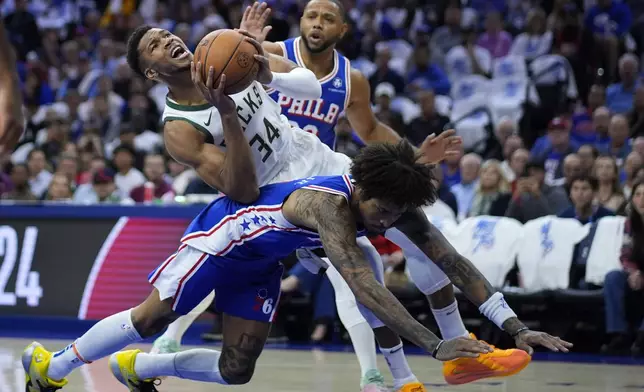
(230, 54)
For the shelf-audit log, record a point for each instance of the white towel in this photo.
(605, 249)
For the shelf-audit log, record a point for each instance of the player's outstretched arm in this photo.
(335, 223)
(472, 283)
(232, 173)
(11, 116)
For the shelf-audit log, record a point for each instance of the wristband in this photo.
(518, 331)
(438, 346)
(497, 310)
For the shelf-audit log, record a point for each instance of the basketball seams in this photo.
(231, 56)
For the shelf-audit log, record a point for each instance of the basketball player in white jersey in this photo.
(191, 127)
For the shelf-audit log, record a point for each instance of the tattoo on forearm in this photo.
(237, 362)
(459, 269)
(336, 226)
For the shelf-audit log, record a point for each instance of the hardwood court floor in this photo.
(319, 371)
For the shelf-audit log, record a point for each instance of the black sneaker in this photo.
(618, 345)
(637, 349)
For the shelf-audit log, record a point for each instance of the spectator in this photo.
(127, 137)
(495, 39)
(444, 193)
(601, 123)
(23, 30)
(465, 190)
(127, 177)
(633, 162)
(384, 93)
(638, 145)
(559, 146)
(154, 169)
(636, 116)
(39, 176)
(619, 146)
(587, 155)
(533, 198)
(512, 144)
(609, 195)
(536, 40)
(101, 190)
(384, 73)
(449, 35)
(583, 192)
(503, 131)
(491, 196)
(566, 24)
(53, 137)
(627, 282)
(68, 166)
(451, 169)
(619, 96)
(517, 165)
(571, 169)
(609, 21)
(468, 58)
(583, 129)
(429, 121)
(320, 288)
(59, 189)
(424, 75)
(21, 190)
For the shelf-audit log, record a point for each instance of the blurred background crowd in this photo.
(547, 95)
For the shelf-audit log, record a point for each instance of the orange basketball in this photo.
(229, 54)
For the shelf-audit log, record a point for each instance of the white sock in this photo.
(106, 337)
(197, 364)
(178, 328)
(364, 344)
(449, 322)
(398, 366)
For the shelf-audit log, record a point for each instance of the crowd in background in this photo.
(93, 131)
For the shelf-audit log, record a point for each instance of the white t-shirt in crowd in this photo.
(125, 183)
(458, 62)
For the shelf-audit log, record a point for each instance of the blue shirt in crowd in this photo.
(433, 77)
(620, 99)
(598, 212)
(615, 19)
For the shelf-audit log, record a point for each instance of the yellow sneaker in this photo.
(498, 363)
(35, 360)
(122, 367)
(412, 387)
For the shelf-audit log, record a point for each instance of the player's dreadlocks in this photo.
(133, 55)
(391, 172)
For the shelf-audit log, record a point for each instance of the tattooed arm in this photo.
(458, 268)
(331, 216)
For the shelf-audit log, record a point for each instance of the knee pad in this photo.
(425, 274)
(373, 321)
(345, 301)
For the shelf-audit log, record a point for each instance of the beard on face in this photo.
(325, 45)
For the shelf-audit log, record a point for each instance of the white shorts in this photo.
(308, 157)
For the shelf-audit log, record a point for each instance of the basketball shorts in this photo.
(246, 291)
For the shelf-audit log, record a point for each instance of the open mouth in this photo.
(315, 37)
(178, 52)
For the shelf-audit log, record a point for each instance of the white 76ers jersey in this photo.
(269, 134)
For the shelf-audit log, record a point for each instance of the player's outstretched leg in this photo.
(433, 282)
(243, 343)
(46, 371)
(170, 341)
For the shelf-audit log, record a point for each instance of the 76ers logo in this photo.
(263, 303)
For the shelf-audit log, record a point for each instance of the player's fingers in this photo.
(246, 13)
(455, 140)
(466, 354)
(266, 30)
(448, 133)
(222, 83)
(548, 344)
(253, 10)
(209, 80)
(251, 40)
(559, 344)
(197, 77)
(264, 17)
(261, 59)
(525, 347)
(449, 154)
